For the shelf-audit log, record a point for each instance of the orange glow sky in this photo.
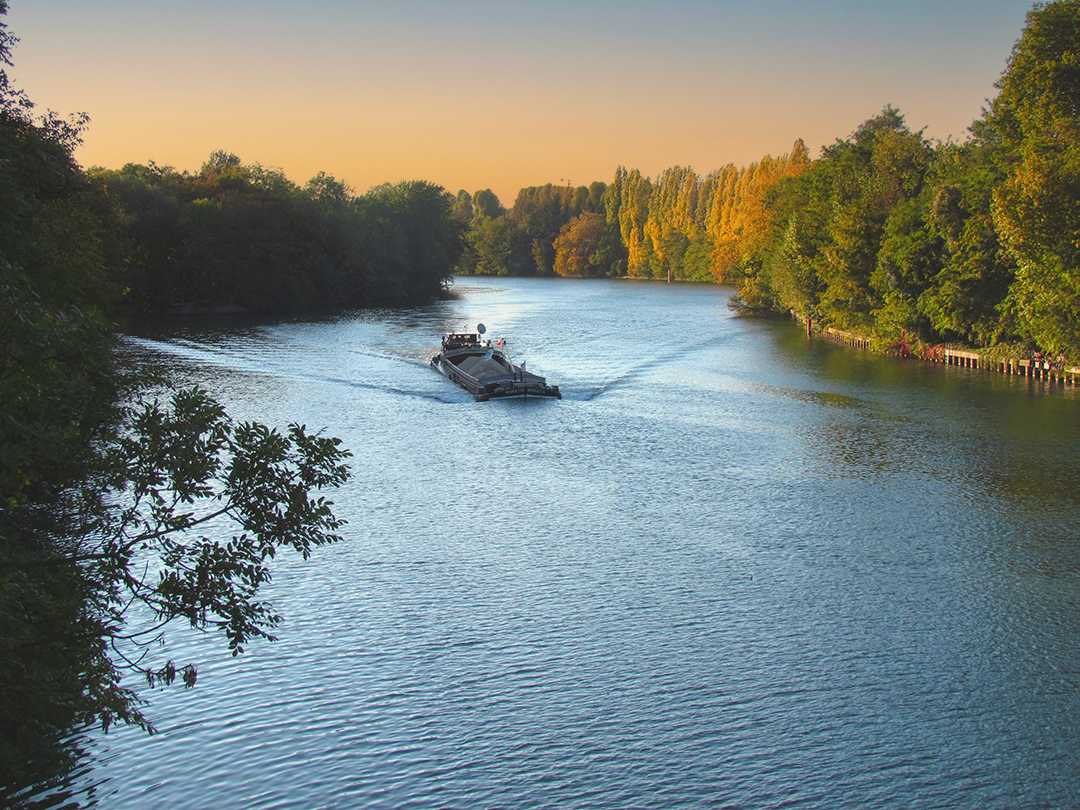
(501, 94)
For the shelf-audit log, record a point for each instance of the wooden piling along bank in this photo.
(1036, 369)
(850, 338)
(1033, 369)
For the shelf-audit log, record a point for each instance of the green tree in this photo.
(412, 240)
(909, 257)
(107, 495)
(490, 244)
(486, 204)
(245, 237)
(962, 301)
(871, 173)
(1036, 116)
(697, 260)
(328, 191)
(463, 206)
(789, 272)
(540, 213)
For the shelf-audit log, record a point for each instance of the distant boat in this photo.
(484, 371)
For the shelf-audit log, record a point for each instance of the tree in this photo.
(736, 213)
(328, 191)
(56, 390)
(490, 243)
(463, 207)
(1036, 117)
(790, 275)
(857, 183)
(485, 203)
(962, 301)
(671, 223)
(126, 529)
(911, 254)
(239, 236)
(587, 247)
(633, 212)
(106, 495)
(413, 238)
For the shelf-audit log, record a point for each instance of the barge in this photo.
(485, 371)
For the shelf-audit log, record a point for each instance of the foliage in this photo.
(486, 204)
(632, 207)
(115, 508)
(541, 212)
(736, 216)
(463, 207)
(57, 393)
(1036, 117)
(866, 177)
(886, 233)
(962, 301)
(587, 247)
(91, 573)
(409, 238)
(788, 275)
(236, 237)
(891, 235)
(687, 228)
(489, 245)
(521, 242)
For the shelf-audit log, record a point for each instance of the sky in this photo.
(501, 94)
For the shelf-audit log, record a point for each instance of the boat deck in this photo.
(485, 372)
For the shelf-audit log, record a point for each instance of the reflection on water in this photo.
(62, 777)
(731, 567)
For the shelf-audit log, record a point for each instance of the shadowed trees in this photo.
(236, 237)
(107, 478)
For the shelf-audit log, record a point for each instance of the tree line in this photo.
(886, 233)
(236, 237)
(912, 242)
(920, 243)
(680, 226)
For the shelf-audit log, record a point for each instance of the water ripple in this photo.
(730, 568)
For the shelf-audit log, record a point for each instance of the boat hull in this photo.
(486, 373)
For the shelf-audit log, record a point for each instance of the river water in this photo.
(731, 567)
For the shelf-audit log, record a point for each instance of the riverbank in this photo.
(1034, 368)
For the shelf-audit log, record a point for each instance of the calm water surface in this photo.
(730, 568)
